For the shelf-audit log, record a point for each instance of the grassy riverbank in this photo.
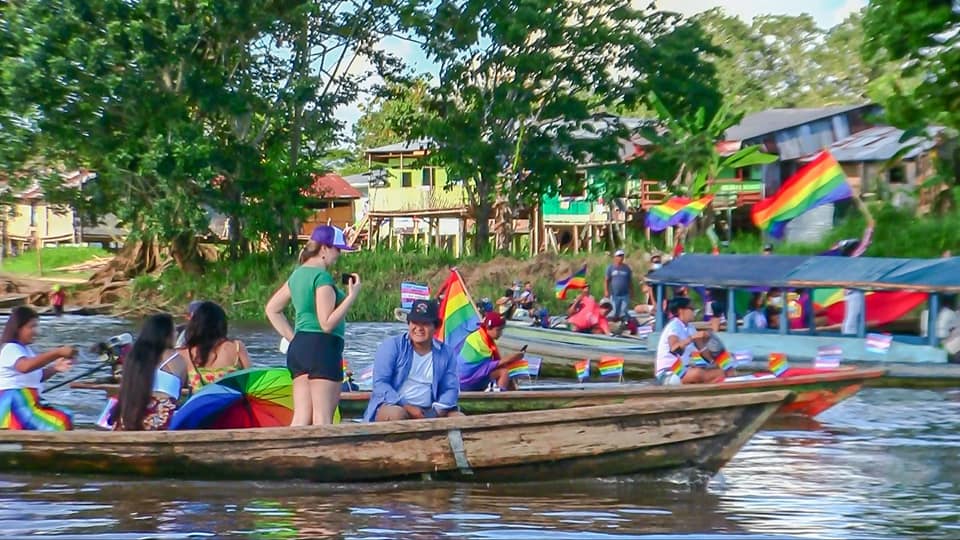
(53, 262)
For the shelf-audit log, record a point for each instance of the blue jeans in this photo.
(621, 305)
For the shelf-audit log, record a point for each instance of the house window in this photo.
(33, 214)
(897, 175)
(427, 176)
(406, 179)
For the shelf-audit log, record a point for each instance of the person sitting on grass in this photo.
(414, 375)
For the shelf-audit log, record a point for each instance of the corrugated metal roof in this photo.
(881, 143)
(872, 273)
(416, 145)
(773, 120)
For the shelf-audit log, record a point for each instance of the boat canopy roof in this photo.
(792, 271)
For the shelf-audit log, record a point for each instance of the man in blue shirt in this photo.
(618, 285)
(414, 375)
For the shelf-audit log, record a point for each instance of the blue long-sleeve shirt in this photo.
(391, 367)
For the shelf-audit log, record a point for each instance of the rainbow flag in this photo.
(458, 317)
(696, 359)
(724, 360)
(777, 363)
(475, 359)
(678, 368)
(582, 368)
(577, 280)
(676, 211)
(520, 368)
(611, 366)
(819, 182)
(20, 409)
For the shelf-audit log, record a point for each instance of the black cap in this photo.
(678, 303)
(424, 311)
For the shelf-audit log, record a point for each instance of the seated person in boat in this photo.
(679, 340)
(182, 329)
(479, 362)
(22, 372)
(591, 318)
(210, 354)
(756, 318)
(506, 305)
(527, 299)
(414, 375)
(582, 300)
(153, 375)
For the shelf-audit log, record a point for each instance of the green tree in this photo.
(394, 113)
(185, 107)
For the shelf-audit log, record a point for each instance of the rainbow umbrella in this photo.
(254, 397)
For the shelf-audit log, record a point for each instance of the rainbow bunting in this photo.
(819, 182)
(458, 317)
(676, 211)
(777, 363)
(520, 368)
(678, 368)
(611, 366)
(577, 280)
(582, 368)
(724, 360)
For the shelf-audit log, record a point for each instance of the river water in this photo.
(883, 464)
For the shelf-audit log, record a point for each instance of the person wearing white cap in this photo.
(618, 285)
(315, 353)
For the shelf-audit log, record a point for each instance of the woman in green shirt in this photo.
(315, 354)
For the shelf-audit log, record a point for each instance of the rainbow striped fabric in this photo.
(777, 363)
(724, 360)
(577, 280)
(678, 368)
(696, 360)
(477, 358)
(519, 368)
(676, 211)
(819, 182)
(611, 366)
(582, 367)
(20, 409)
(458, 317)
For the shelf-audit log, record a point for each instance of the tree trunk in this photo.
(481, 241)
(185, 252)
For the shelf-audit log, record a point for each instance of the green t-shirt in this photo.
(303, 283)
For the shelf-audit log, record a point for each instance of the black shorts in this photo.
(316, 354)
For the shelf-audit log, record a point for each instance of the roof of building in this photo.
(772, 120)
(416, 145)
(71, 180)
(332, 186)
(791, 271)
(881, 143)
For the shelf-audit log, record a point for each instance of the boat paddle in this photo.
(103, 360)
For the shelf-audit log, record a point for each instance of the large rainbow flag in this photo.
(819, 182)
(458, 317)
(676, 211)
(577, 280)
(477, 358)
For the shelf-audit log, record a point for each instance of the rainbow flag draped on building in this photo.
(819, 182)
(676, 211)
(577, 280)
(458, 317)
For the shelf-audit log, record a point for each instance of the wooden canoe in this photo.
(815, 391)
(607, 440)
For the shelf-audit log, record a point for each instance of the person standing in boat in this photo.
(679, 340)
(479, 362)
(618, 285)
(414, 375)
(210, 354)
(58, 300)
(315, 353)
(153, 375)
(22, 372)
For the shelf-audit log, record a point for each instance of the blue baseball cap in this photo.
(327, 235)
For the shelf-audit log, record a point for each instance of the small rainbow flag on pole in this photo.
(678, 368)
(611, 366)
(458, 317)
(577, 280)
(582, 368)
(724, 360)
(819, 182)
(696, 359)
(519, 368)
(777, 363)
(676, 211)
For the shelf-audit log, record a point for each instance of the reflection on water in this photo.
(884, 464)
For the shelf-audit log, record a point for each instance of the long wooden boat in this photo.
(606, 440)
(815, 391)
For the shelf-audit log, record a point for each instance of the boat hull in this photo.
(607, 440)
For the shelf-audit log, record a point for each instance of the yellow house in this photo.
(30, 218)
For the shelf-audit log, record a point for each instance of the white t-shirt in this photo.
(418, 388)
(10, 378)
(675, 327)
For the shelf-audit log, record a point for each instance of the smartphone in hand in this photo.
(346, 278)
(523, 349)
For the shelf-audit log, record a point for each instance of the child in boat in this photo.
(153, 375)
(210, 354)
(479, 362)
(22, 372)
